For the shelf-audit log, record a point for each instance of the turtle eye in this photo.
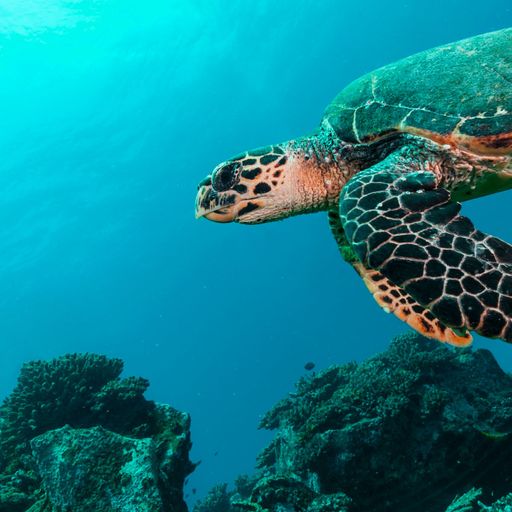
(226, 177)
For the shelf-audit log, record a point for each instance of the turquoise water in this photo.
(112, 111)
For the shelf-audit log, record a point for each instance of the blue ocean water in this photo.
(112, 111)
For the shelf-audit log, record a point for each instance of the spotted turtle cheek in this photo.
(262, 188)
(251, 212)
(240, 189)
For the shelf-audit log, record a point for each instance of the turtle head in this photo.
(269, 184)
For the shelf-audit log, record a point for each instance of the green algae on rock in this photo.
(73, 396)
(95, 469)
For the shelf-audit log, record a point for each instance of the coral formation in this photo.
(421, 427)
(82, 392)
(218, 500)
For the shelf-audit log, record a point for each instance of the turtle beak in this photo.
(212, 205)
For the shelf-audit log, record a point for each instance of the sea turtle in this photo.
(396, 152)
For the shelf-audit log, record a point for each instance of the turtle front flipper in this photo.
(399, 222)
(393, 299)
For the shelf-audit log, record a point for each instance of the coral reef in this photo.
(77, 405)
(421, 427)
(218, 500)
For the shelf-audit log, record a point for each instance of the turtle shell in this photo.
(458, 94)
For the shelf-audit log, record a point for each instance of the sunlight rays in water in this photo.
(32, 17)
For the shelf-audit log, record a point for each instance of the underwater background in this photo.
(111, 112)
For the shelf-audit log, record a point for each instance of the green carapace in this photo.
(394, 155)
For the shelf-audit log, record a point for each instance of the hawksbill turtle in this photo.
(395, 153)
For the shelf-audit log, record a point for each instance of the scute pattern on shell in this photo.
(459, 94)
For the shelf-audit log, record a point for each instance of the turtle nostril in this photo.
(206, 182)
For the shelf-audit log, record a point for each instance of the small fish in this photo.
(309, 366)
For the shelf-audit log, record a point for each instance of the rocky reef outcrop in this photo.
(75, 436)
(422, 427)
